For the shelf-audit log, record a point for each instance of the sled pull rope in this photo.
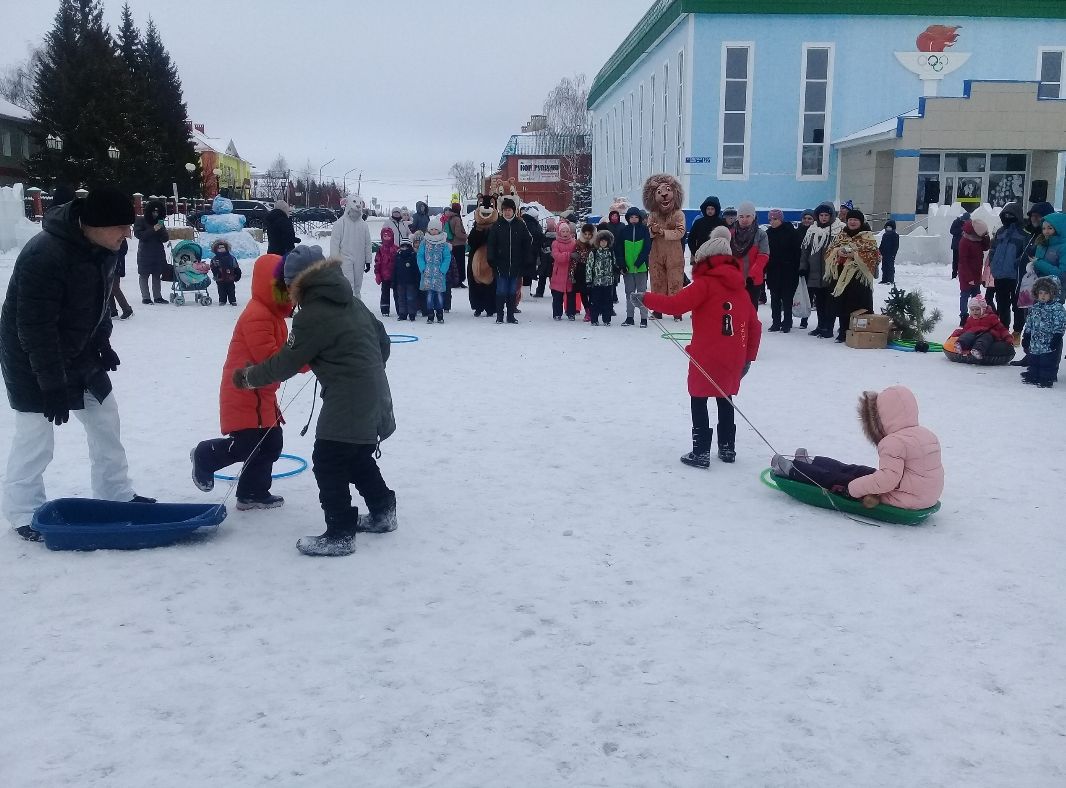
(285, 407)
(762, 437)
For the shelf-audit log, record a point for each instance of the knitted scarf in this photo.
(818, 237)
(743, 238)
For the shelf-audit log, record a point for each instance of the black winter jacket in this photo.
(281, 237)
(536, 236)
(151, 251)
(782, 270)
(56, 319)
(510, 247)
(704, 225)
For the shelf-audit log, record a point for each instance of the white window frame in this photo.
(607, 156)
(824, 174)
(680, 110)
(726, 46)
(620, 140)
(640, 144)
(651, 126)
(666, 117)
(632, 98)
(622, 126)
(1062, 68)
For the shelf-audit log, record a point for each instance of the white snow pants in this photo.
(354, 275)
(31, 452)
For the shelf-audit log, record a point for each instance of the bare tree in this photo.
(567, 133)
(466, 178)
(16, 81)
(274, 183)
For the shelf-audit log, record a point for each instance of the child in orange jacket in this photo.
(250, 417)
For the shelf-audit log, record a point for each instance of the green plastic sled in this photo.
(816, 496)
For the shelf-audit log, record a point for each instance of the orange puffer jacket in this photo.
(260, 332)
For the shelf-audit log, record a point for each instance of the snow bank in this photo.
(242, 245)
(15, 228)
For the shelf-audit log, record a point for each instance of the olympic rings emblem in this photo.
(937, 62)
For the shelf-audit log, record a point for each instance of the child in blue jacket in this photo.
(1042, 335)
(405, 279)
(434, 259)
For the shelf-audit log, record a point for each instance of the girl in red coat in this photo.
(982, 328)
(725, 340)
(251, 417)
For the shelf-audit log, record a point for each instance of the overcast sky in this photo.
(398, 90)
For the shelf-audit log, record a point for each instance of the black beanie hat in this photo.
(107, 206)
(855, 213)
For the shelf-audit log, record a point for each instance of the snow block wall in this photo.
(15, 228)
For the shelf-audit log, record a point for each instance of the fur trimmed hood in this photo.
(653, 183)
(1050, 284)
(601, 235)
(894, 409)
(306, 277)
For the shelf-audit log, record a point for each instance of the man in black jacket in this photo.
(531, 216)
(281, 236)
(510, 249)
(710, 217)
(55, 349)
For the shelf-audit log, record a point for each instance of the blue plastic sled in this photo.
(90, 524)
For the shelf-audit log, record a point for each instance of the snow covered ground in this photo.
(564, 603)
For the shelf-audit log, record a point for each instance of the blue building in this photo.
(891, 104)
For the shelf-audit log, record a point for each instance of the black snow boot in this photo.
(501, 301)
(440, 315)
(700, 456)
(727, 448)
(29, 533)
(511, 309)
(338, 539)
(382, 517)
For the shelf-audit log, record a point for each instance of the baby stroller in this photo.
(191, 274)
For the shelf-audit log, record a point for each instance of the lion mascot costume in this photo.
(663, 197)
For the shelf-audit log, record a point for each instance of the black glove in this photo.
(750, 282)
(955, 271)
(803, 273)
(56, 407)
(366, 268)
(747, 366)
(109, 358)
(240, 378)
(1025, 343)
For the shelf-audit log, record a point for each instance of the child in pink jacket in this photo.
(910, 473)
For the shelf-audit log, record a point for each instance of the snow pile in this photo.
(15, 228)
(224, 223)
(242, 245)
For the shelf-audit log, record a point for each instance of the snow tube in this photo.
(90, 524)
(999, 354)
(816, 496)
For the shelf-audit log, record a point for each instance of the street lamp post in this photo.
(320, 174)
(344, 180)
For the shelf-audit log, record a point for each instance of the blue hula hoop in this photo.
(402, 339)
(301, 466)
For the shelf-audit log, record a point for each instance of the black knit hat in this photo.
(855, 213)
(107, 206)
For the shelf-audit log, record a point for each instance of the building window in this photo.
(25, 147)
(5, 144)
(630, 140)
(816, 99)
(622, 126)
(666, 116)
(1050, 75)
(607, 154)
(945, 178)
(651, 126)
(640, 138)
(620, 139)
(735, 120)
(680, 109)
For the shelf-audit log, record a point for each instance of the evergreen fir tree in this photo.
(81, 94)
(165, 114)
(907, 311)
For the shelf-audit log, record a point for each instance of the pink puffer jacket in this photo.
(562, 248)
(911, 474)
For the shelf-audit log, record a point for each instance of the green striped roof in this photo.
(665, 13)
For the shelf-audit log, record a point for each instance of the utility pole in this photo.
(359, 186)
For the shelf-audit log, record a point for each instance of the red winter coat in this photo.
(385, 259)
(989, 321)
(260, 333)
(972, 250)
(725, 326)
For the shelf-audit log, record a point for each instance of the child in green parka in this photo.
(632, 246)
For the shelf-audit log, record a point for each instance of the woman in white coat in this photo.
(350, 243)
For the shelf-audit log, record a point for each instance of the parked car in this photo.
(254, 212)
(314, 215)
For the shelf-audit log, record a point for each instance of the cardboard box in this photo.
(867, 321)
(867, 340)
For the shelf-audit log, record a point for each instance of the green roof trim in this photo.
(664, 13)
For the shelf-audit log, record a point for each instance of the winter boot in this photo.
(412, 317)
(501, 301)
(338, 539)
(29, 533)
(382, 517)
(644, 322)
(205, 482)
(430, 318)
(657, 315)
(700, 456)
(265, 501)
(440, 315)
(628, 322)
(511, 309)
(727, 449)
